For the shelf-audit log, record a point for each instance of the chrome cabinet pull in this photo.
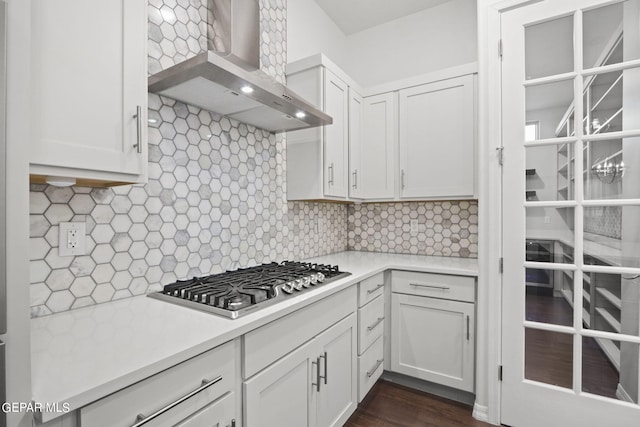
(355, 178)
(442, 288)
(375, 368)
(402, 179)
(331, 174)
(467, 327)
(143, 419)
(370, 291)
(325, 367)
(317, 383)
(376, 323)
(138, 117)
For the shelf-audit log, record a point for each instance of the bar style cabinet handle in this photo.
(442, 288)
(370, 291)
(142, 419)
(331, 174)
(138, 117)
(467, 327)
(355, 178)
(317, 383)
(325, 367)
(373, 370)
(402, 179)
(376, 323)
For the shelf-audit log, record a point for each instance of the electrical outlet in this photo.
(72, 238)
(547, 219)
(414, 226)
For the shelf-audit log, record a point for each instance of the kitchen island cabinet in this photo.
(90, 109)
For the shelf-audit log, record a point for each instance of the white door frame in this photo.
(489, 333)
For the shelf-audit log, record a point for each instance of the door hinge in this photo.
(500, 151)
(500, 373)
(501, 265)
(500, 48)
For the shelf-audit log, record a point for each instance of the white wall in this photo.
(439, 37)
(311, 31)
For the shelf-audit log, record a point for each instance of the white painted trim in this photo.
(622, 394)
(18, 336)
(489, 305)
(434, 76)
(480, 413)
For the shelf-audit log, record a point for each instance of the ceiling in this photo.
(352, 16)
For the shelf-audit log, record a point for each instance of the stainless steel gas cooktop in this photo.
(234, 293)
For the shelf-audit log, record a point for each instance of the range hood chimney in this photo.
(226, 78)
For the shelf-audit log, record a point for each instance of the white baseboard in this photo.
(622, 394)
(480, 413)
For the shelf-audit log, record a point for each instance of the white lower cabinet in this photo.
(433, 339)
(198, 392)
(433, 327)
(371, 326)
(315, 385)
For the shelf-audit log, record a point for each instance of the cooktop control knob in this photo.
(288, 287)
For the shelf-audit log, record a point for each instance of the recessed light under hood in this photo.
(227, 81)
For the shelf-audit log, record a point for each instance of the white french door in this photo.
(571, 209)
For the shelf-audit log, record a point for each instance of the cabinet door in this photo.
(437, 139)
(89, 76)
(355, 144)
(284, 394)
(433, 339)
(336, 136)
(376, 158)
(338, 395)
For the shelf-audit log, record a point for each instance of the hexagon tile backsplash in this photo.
(443, 228)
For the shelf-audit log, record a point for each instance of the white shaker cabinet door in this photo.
(437, 139)
(433, 339)
(89, 83)
(284, 394)
(336, 136)
(373, 156)
(338, 357)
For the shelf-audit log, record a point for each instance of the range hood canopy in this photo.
(227, 81)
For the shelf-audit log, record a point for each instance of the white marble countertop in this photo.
(82, 355)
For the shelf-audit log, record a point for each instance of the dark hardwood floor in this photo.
(393, 405)
(549, 355)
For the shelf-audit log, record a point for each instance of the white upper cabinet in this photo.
(336, 136)
(89, 90)
(437, 139)
(372, 158)
(318, 158)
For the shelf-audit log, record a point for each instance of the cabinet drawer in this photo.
(370, 288)
(165, 388)
(370, 367)
(265, 345)
(459, 288)
(370, 323)
(218, 414)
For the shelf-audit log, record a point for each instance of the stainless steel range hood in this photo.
(227, 81)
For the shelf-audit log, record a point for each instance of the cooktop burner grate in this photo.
(233, 293)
